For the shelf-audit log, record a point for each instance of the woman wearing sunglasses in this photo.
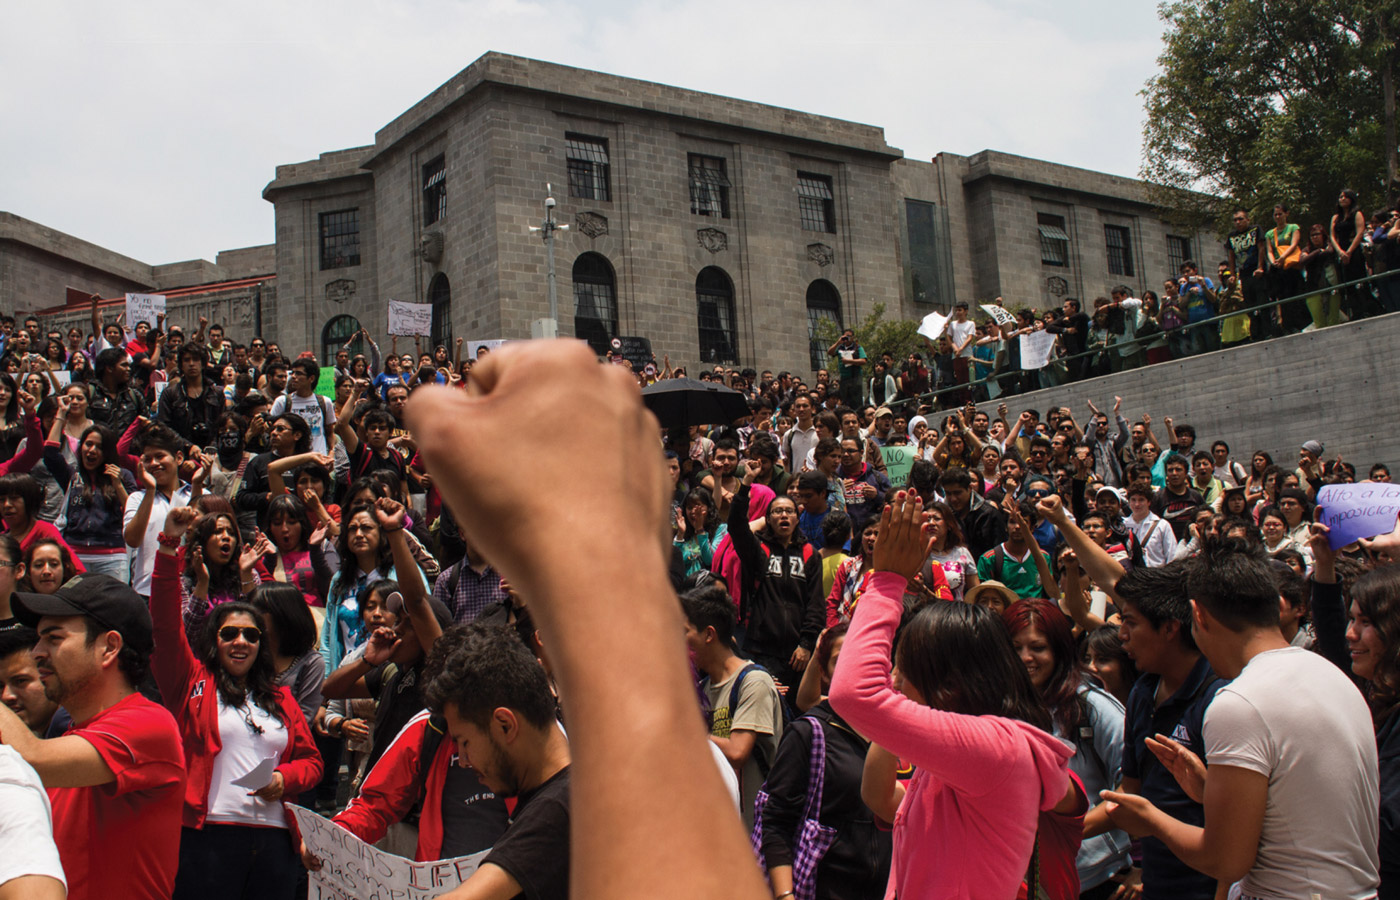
(233, 719)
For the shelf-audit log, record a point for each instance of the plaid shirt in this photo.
(471, 594)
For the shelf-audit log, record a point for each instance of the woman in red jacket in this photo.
(233, 718)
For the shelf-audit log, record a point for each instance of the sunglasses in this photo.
(1037, 493)
(229, 633)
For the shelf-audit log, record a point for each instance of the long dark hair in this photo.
(99, 480)
(260, 685)
(1061, 692)
(291, 506)
(1377, 597)
(702, 495)
(222, 579)
(11, 410)
(958, 657)
(284, 609)
(349, 565)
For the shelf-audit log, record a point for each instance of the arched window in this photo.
(714, 304)
(595, 301)
(823, 305)
(337, 331)
(440, 296)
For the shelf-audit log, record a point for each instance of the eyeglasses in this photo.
(1037, 493)
(229, 633)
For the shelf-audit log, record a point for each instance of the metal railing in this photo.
(1141, 342)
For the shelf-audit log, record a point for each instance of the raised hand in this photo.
(1052, 510)
(179, 519)
(902, 545)
(318, 535)
(1186, 767)
(390, 514)
(380, 646)
(27, 402)
(145, 478)
(113, 471)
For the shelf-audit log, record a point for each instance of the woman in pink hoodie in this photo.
(962, 710)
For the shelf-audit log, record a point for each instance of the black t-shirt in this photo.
(400, 699)
(1246, 244)
(535, 848)
(365, 460)
(473, 818)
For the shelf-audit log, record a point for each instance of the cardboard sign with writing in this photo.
(636, 350)
(410, 319)
(1035, 349)
(898, 462)
(999, 314)
(353, 870)
(1354, 511)
(144, 308)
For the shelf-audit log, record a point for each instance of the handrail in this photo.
(1152, 338)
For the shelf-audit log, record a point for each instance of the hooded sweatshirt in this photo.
(968, 821)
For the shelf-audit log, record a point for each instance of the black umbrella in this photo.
(685, 401)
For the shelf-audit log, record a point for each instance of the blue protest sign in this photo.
(1353, 511)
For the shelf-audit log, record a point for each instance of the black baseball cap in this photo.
(102, 598)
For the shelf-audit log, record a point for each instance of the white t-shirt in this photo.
(241, 751)
(26, 822)
(959, 332)
(318, 412)
(143, 558)
(1293, 716)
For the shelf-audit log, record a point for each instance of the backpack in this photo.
(763, 765)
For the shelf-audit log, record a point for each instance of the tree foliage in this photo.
(877, 335)
(1262, 102)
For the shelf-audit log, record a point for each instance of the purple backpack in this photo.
(813, 838)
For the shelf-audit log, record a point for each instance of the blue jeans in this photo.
(113, 564)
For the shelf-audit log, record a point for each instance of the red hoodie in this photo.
(187, 687)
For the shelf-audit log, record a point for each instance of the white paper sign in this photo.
(998, 314)
(144, 308)
(63, 377)
(410, 319)
(1035, 349)
(933, 325)
(353, 870)
(159, 388)
(260, 776)
(474, 346)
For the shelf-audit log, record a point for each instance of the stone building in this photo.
(720, 229)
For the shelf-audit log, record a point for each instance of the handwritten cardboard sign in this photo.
(144, 308)
(898, 462)
(999, 314)
(353, 870)
(410, 319)
(636, 350)
(1035, 349)
(1354, 511)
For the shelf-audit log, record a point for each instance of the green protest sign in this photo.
(898, 461)
(325, 386)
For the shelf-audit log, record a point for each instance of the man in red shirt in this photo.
(116, 780)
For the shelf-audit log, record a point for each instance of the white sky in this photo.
(151, 128)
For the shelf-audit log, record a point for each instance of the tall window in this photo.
(1054, 240)
(823, 305)
(922, 263)
(334, 335)
(714, 304)
(816, 202)
(588, 167)
(440, 296)
(1178, 252)
(1120, 249)
(709, 186)
(340, 239)
(434, 189)
(595, 301)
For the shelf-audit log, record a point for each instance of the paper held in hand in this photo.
(353, 870)
(144, 308)
(932, 326)
(410, 319)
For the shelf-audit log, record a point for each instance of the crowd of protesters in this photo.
(1057, 657)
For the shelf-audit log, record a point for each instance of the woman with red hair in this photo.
(1086, 716)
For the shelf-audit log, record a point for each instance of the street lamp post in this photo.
(548, 328)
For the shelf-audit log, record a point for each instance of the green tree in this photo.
(877, 335)
(1262, 102)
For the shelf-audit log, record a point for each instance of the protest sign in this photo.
(1353, 511)
(933, 325)
(158, 388)
(474, 346)
(144, 308)
(62, 376)
(636, 350)
(353, 870)
(410, 319)
(325, 385)
(1035, 349)
(898, 462)
(998, 314)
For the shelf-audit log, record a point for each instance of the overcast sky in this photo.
(151, 128)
